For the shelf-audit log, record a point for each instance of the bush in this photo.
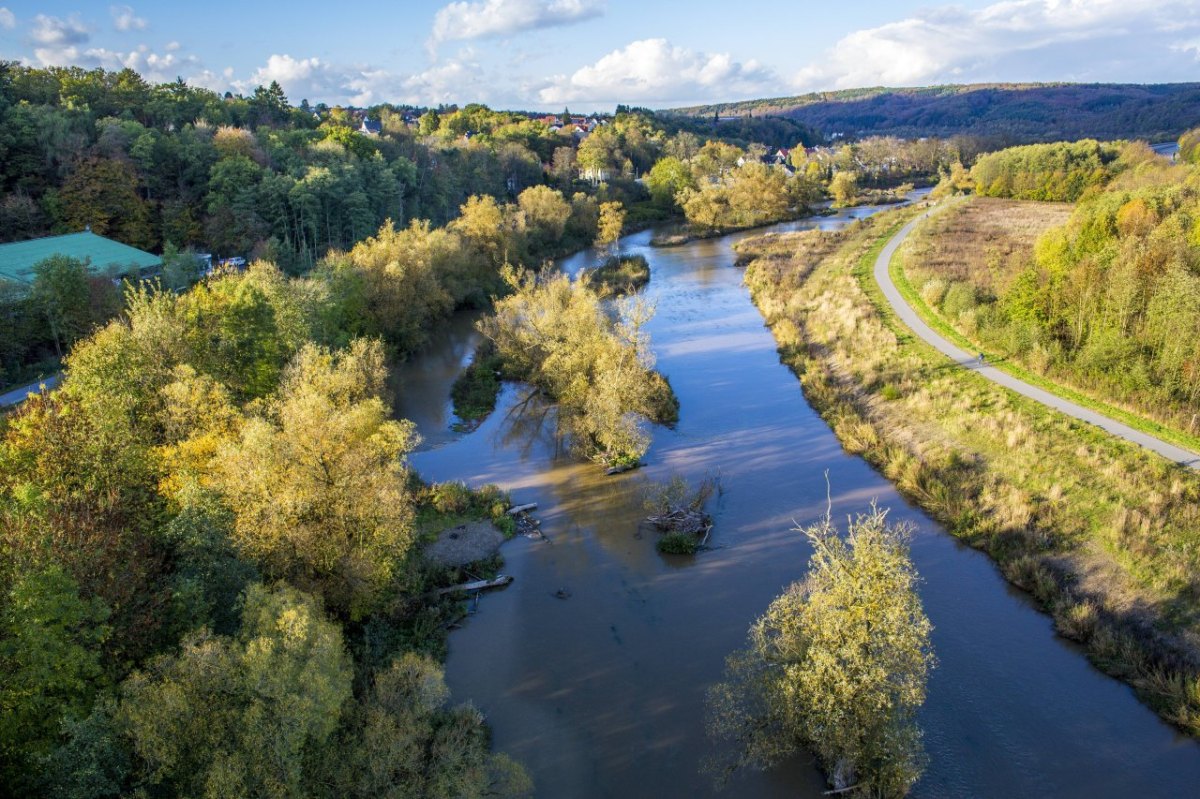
(678, 544)
(960, 298)
(452, 497)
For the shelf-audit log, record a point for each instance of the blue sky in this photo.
(592, 54)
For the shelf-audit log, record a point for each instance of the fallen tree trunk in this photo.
(499, 581)
(518, 509)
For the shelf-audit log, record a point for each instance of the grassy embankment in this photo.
(987, 241)
(1103, 534)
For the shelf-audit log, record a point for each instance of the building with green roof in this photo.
(104, 256)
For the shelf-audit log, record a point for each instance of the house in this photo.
(103, 255)
(370, 127)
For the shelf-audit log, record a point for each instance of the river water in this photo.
(601, 694)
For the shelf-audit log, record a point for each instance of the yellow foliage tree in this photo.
(318, 481)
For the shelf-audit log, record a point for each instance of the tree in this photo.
(61, 292)
(844, 188)
(49, 654)
(318, 483)
(667, 178)
(103, 193)
(837, 665)
(406, 742)
(241, 716)
(546, 214)
(612, 220)
(556, 334)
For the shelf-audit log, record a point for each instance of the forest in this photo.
(1003, 113)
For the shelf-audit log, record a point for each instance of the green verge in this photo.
(939, 323)
(1104, 535)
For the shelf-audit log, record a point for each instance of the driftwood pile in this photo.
(526, 524)
(678, 519)
(677, 510)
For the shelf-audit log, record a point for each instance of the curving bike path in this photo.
(968, 361)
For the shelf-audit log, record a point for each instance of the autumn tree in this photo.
(612, 221)
(407, 741)
(318, 482)
(103, 193)
(844, 189)
(837, 665)
(556, 334)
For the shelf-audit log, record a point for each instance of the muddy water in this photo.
(601, 694)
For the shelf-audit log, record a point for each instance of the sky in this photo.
(592, 54)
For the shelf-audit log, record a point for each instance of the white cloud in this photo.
(653, 70)
(125, 20)
(55, 31)
(153, 66)
(474, 20)
(55, 39)
(1013, 40)
(7, 18)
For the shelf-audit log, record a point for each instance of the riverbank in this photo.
(686, 234)
(1103, 534)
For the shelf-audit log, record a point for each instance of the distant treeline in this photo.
(152, 165)
(1006, 113)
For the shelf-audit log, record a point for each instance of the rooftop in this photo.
(17, 259)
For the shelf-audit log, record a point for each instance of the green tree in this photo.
(241, 716)
(837, 665)
(49, 654)
(667, 178)
(61, 293)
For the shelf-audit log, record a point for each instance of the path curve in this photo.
(18, 395)
(967, 360)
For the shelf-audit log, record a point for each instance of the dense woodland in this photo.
(1005, 114)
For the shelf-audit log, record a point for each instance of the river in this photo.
(601, 694)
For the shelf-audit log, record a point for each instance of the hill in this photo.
(1011, 112)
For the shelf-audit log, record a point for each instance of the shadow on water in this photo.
(601, 694)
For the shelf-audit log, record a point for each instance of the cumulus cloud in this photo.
(474, 20)
(125, 20)
(7, 18)
(56, 40)
(653, 70)
(1014, 40)
(154, 66)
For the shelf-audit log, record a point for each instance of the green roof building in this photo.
(105, 255)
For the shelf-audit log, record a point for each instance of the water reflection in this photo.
(601, 694)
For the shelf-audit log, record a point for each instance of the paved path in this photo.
(969, 361)
(18, 395)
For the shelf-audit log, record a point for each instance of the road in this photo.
(18, 395)
(970, 361)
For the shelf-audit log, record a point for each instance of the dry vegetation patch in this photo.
(984, 241)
